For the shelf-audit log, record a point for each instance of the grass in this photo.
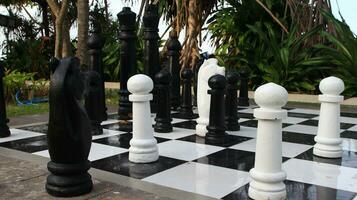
(13, 110)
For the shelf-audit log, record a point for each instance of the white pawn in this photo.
(209, 68)
(143, 145)
(267, 174)
(328, 141)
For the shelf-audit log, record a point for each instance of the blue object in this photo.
(30, 101)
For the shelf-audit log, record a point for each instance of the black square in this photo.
(349, 134)
(298, 138)
(313, 122)
(122, 140)
(298, 191)
(120, 164)
(181, 116)
(301, 115)
(229, 140)
(29, 145)
(37, 128)
(349, 158)
(230, 158)
(190, 124)
(346, 114)
(245, 115)
(254, 123)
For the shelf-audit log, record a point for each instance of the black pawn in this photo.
(173, 51)
(231, 103)
(186, 106)
(216, 127)
(243, 89)
(163, 114)
(127, 37)
(4, 129)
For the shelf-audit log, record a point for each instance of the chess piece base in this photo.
(143, 150)
(68, 180)
(327, 151)
(163, 127)
(4, 131)
(267, 186)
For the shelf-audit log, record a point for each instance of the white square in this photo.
(293, 120)
(353, 128)
(207, 180)
(176, 133)
(110, 121)
(306, 111)
(349, 144)
(183, 150)
(245, 132)
(289, 150)
(17, 134)
(97, 151)
(317, 173)
(248, 110)
(298, 128)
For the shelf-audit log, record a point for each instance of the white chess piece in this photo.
(209, 68)
(267, 174)
(143, 145)
(328, 141)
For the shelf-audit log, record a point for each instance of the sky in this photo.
(348, 8)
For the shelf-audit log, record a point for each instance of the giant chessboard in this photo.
(187, 162)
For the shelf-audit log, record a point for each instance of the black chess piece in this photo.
(186, 106)
(163, 114)
(95, 99)
(69, 135)
(243, 89)
(231, 102)
(127, 37)
(4, 128)
(216, 127)
(173, 51)
(196, 70)
(151, 47)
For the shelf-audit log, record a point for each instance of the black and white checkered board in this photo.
(187, 163)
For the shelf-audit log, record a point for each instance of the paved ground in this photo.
(24, 180)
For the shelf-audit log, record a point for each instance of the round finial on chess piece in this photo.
(187, 73)
(232, 78)
(217, 81)
(163, 77)
(332, 86)
(140, 84)
(271, 96)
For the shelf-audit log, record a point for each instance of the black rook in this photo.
(231, 103)
(163, 114)
(4, 129)
(216, 127)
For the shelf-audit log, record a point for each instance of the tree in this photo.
(83, 21)
(62, 26)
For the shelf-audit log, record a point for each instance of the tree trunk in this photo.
(66, 40)
(83, 20)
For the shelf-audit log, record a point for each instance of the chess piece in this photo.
(186, 106)
(243, 89)
(231, 102)
(195, 80)
(151, 47)
(69, 135)
(328, 141)
(92, 102)
(127, 37)
(95, 99)
(173, 51)
(4, 129)
(267, 174)
(143, 145)
(207, 70)
(163, 114)
(216, 127)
